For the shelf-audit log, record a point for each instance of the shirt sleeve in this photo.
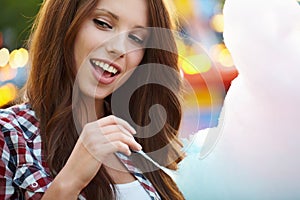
(6, 170)
(22, 175)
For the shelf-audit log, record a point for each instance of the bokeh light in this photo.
(7, 73)
(185, 8)
(217, 23)
(8, 93)
(216, 49)
(195, 64)
(18, 58)
(4, 57)
(221, 54)
(225, 58)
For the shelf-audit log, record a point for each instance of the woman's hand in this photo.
(97, 141)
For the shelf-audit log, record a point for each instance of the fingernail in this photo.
(139, 147)
(133, 131)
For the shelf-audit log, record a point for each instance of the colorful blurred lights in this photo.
(225, 58)
(7, 73)
(217, 23)
(221, 54)
(195, 64)
(8, 93)
(4, 57)
(18, 58)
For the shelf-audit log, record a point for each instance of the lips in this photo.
(104, 71)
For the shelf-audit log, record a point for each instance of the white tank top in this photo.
(131, 191)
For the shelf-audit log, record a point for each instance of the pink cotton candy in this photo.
(257, 155)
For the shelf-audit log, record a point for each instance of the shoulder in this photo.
(19, 119)
(21, 159)
(19, 134)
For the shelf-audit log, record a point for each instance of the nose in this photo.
(116, 46)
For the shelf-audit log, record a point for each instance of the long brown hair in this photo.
(50, 86)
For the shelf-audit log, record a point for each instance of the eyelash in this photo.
(102, 24)
(136, 39)
(105, 25)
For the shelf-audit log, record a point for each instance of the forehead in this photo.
(134, 12)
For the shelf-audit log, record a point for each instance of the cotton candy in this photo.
(256, 154)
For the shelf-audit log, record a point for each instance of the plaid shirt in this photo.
(23, 171)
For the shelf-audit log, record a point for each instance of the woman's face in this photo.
(110, 44)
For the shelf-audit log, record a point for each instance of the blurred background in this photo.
(205, 62)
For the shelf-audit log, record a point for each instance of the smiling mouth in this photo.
(105, 69)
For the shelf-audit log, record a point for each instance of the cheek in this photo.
(78, 51)
(135, 58)
(84, 43)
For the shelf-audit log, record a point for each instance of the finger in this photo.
(114, 128)
(109, 120)
(118, 146)
(101, 153)
(129, 141)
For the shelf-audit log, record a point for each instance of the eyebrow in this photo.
(116, 17)
(140, 27)
(107, 12)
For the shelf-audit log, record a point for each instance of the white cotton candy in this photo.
(258, 152)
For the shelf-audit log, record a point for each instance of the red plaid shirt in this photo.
(23, 172)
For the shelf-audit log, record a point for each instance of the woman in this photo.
(64, 142)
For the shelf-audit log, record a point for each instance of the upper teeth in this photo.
(105, 66)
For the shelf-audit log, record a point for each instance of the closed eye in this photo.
(102, 24)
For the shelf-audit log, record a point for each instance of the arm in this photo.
(6, 174)
(97, 141)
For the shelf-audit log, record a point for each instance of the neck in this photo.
(90, 109)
